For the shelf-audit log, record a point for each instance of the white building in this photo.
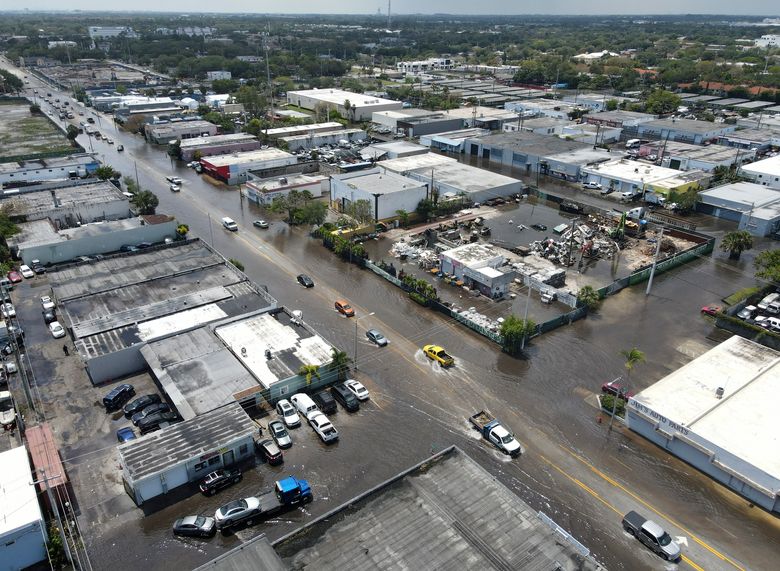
(55, 168)
(422, 66)
(593, 56)
(542, 108)
(768, 41)
(386, 192)
(262, 190)
(590, 134)
(233, 168)
(765, 172)
(302, 129)
(361, 106)
(538, 125)
(107, 32)
(479, 265)
(622, 175)
(23, 533)
(219, 74)
(62, 44)
(718, 413)
(756, 208)
(313, 140)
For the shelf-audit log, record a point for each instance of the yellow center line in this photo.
(618, 485)
(691, 563)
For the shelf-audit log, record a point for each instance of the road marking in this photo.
(691, 563)
(649, 506)
(682, 540)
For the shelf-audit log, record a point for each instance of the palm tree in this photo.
(633, 358)
(309, 371)
(340, 362)
(589, 297)
(736, 242)
(145, 201)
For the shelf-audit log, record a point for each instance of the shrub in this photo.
(608, 401)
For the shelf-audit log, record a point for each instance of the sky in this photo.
(745, 8)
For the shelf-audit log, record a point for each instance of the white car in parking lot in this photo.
(357, 389)
(8, 310)
(56, 329)
(288, 413)
(26, 271)
(47, 303)
(322, 426)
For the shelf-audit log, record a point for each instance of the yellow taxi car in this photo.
(438, 354)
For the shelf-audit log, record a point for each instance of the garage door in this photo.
(148, 489)
(175, 477)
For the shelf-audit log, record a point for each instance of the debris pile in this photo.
(482, 320)
(576, 242)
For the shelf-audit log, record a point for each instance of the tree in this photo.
(224, 85)
(72, 132)
(181, 231)
(106, 172)
(313, 212)
(340, 363)
(611, 104)
(361, 211)
(10, 83)
(736, 242)
(174, 149)
(589, 297)
(130, 185)
(403, 217)
(254, 127)
(633, 358)
(309, 372)
(424, 208)
(661, 102)
(514, 332)
(35, 109)
(145, 201)
(768, 265)
(292, 203)
(348, 108)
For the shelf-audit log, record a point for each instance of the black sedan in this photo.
(219, 479)
(195, 526)
(270, 452)
(539, 227)
(154, 421)
(137, 405)
(150, 410)
(305, 280)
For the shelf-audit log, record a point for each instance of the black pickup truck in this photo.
(652, 535)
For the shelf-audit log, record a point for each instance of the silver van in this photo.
(304, 404)
(230, 224)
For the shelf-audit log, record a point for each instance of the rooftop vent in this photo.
(719, 393)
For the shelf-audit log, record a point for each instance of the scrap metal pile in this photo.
(576, 242)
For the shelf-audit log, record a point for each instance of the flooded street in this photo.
(546, 397)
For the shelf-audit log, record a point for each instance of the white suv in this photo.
(288, 414)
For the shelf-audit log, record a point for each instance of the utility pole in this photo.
(56, 510)
(525, 314)
(655, 261)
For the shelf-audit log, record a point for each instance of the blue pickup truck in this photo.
(492, 431)
(287, 493)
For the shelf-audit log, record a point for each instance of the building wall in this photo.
(764, 179)
(180, 132)
(255, 194)
(319, 139)
(221, 149)
(45, 173)
(427, 128)
(358, 113)
(99, 244)
(237, 173)
(69, 216)
(683, 136)
(22, 547)
(115, 365)
(406, 199)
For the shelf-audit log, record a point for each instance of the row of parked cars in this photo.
(766, 313)
(147, 412)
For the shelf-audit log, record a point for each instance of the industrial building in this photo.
(452, 179)
(67, 204)
(233, 168)
(684, 156)
(218, 145)
(23, 533)
(684, 130)
(218, 75)
(765, 172)
(620, 119)
(262, 190)
(361, 106)
(542, 108)
(115, 306)
(426, 65)
(752, 139)
(539, 125)
(392, 119)
(162, 133)
(159, 462)
(718, 413)
(756, 208)
(392, 150)
(591, 134)
(104, 32)
(623, 175)
(445, 513)
(146, 108)
(302, 129)
(42, 240)
(312, 140)
(55, 168)
(452, 141)
(596, 102)
(480, 266)
(385, 191)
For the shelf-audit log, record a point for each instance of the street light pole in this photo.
(356, 343)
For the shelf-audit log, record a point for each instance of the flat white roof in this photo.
(770, 166)
(632, 171)
(216, 140)
(406, 164)
(181, 321)
(332, 125)
(376, 181)
(338, 96)
(259, 155)
(18, 496)
(745, 194)
(745, 421)
(474, 255)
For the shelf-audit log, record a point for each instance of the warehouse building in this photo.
(597, 102)
(392, 150)
(313, 140)
(539, 125)
(260, 189)
(163, 133)
(684, 156)
(162, 461)
(590, 134)
(684, 130)
(479, 266)
(542, 108)
(756, 208)
(718, 413)
(452, 141)
(18, 173)
(302, 130)
(233, 168)
(619, 119)
(67, 204)
(752, 139)
(23, 534)
(361, 106)
(218, 145)
(451, 179)
(41, 240)
(765, 172)
(385, 191)
(392, 119)
(115, 306)
(622, 175)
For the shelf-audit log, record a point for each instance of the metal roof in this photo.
(256, 553)
(182, 442)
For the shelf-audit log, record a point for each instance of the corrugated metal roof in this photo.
(45, 455)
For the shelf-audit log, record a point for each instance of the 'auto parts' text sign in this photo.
(661, 419)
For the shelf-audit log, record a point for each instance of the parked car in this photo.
(747, 312)
(305, 280)
(57, 331)
(195, 526)
(174, 187)
(219, 479)
(539, 227)
(438, 355)
(128, 248)
(260, 223)
(39, 269)
(325, 402)
(764, 303)
(14, 277)
(279, 433)
(615, 388)
(324, 429)
(125, 434)
(120, 148)
(26, 271)
(149, 410)
(591, 185)
(304, 404)
(343, 395)
(156, 421)
(712, 310)
(606, 191)
(8, 310)
(375, 336)
(288, 413)
(118, 396)
(774, 323)
(270, 452)
(47, 303)
(143, 245)
(357, 389)
(344, 308)
(773, 308)
(140, 403)
(49, 316)
(652, 535)
(236, 511)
